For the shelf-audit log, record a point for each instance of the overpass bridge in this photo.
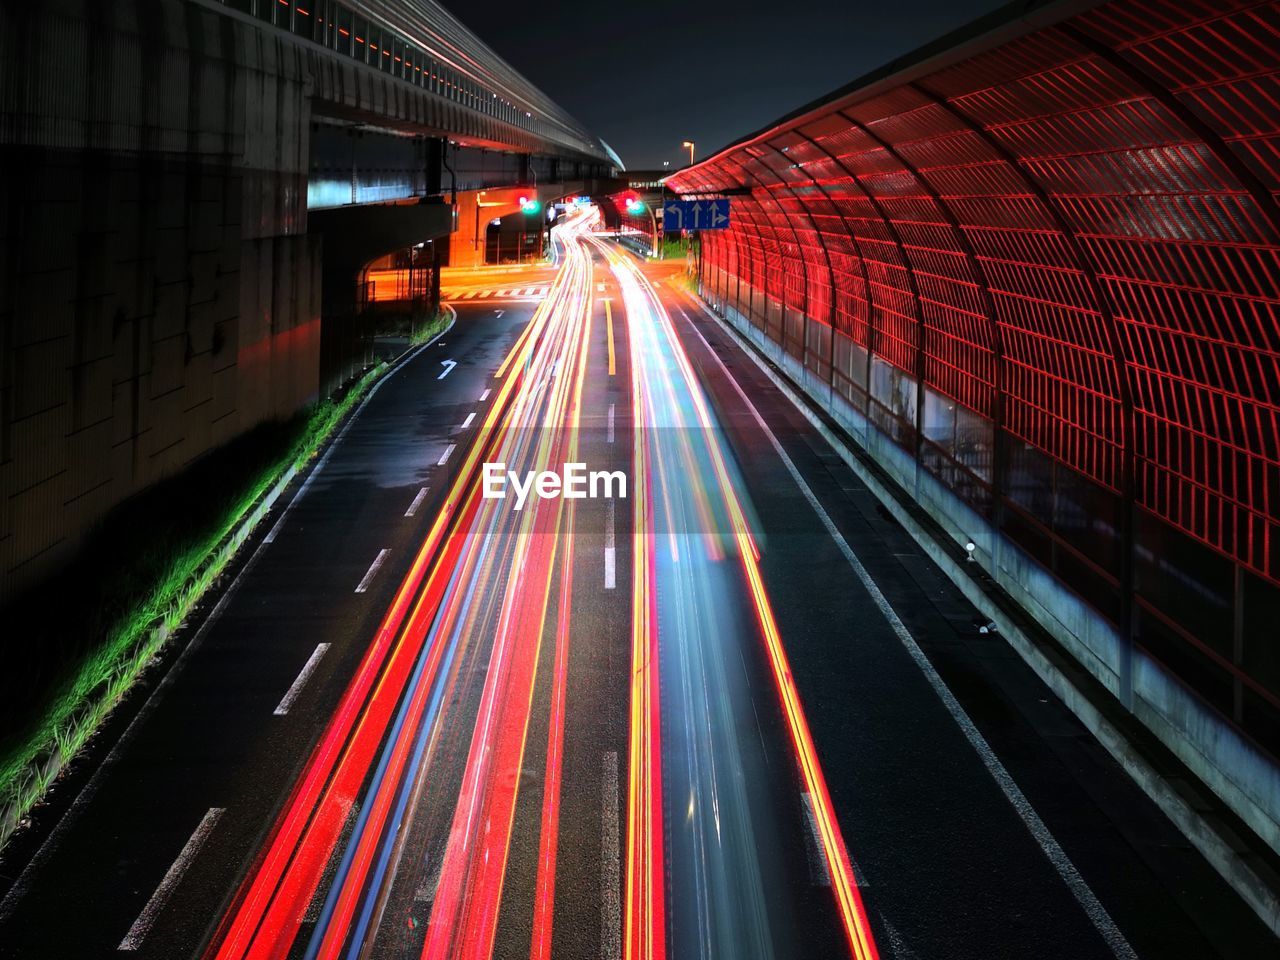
(193, 189)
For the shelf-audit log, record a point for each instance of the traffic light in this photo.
(529, 204)
(633, 203)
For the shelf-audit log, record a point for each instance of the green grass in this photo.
(82, 640)
(421, 332)
(675, 248)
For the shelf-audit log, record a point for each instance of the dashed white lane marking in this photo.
(599, 288)
(467, 422)
(609, 435)
(484, 396)
(315, 907)
(444, 457)
(417, 502)
(378, 561)
(819, 872)
(307, 670)
(324, 459)
(1083, 894)
(426, 891)
(610, 863)
(610, 551)
(142, 926)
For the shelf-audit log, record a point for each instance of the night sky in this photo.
(645, 76)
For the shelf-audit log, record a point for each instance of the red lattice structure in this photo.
(1047, 264)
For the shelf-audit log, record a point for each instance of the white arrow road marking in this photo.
(499, 313)
(448, 368)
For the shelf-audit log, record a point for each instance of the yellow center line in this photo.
(608, 320)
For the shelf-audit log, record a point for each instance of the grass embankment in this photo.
(78, 643)
(422, 331)
(673, 248)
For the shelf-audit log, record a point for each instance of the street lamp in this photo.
(689, 144)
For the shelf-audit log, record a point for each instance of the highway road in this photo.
(734, 713)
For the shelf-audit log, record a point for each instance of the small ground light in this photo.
(969, 548)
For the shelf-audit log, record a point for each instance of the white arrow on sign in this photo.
(448, 368)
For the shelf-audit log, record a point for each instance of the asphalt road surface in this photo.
(723, 709)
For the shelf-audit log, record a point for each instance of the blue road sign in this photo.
(680, 215)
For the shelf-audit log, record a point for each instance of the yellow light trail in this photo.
(608, 319)
(848, 900)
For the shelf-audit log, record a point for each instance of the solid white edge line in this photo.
(444, 457)
(142, 926)
(1083, 894)
(417, 502)
(378, 561)
(90, 790)
(308, 668)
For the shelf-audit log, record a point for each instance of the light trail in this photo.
(465, 912)
(445, 694)
(644, 936)
(645, 307)
(266, 914)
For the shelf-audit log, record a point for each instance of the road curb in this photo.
(1190, 810)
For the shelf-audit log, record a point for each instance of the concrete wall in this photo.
(158, 291)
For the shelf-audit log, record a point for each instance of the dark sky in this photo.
(647, 75)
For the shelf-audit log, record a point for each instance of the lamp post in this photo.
(689, 144)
